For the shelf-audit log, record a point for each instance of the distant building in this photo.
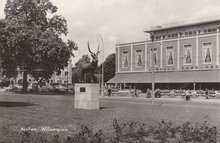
(63, 78)
(186, 55)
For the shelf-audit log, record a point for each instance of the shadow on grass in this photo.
(105, 108)
(44, 92)
(15, 104)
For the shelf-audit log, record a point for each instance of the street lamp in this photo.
(100, 40)
(152, 63)
(67, 86)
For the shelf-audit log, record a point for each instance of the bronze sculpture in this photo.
(88, 69)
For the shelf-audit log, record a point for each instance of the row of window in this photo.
(169, 35)
(187, 56)
(66, 73)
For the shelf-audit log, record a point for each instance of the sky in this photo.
(123, 21)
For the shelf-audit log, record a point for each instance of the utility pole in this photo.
(67, 76)
(152, 63)
(102, 70)
(99, 38)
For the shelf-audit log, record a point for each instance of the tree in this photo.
(78, 65)
(109, 67)
(30, 39)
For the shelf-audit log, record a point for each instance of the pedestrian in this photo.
(109, 92)
(206, 94)
(187, 95)
(148, 93)
(158, 93)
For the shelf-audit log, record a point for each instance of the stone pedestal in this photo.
(86, 96)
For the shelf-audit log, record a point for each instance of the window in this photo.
(190, 33)
(209, 30)
(66, 73)
(138, 58)
(186, 33)
(154, 56)
(207, 52)
(214, 29)
(187, 57)
(125, 59)
(170, 56)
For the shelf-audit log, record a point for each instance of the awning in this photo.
(211, 76)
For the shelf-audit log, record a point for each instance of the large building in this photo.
(185, 55)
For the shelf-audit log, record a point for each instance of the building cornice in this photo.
(186, 23)
(167, 39)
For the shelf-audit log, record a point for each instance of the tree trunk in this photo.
(25, 83)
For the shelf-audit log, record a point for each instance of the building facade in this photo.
(184, 54)
(63, 78)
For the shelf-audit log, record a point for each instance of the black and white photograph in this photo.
(109, 71)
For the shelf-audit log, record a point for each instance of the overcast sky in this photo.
(120, 21)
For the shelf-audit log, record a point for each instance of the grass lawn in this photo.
(57, 112)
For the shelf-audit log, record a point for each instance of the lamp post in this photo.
(67, 81)
(103, 71)
(152, 63)
(100, 40)
(2, 70)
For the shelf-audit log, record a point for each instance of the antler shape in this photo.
(90, 50)
(98, 51)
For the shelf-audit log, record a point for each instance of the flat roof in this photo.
(184, 23)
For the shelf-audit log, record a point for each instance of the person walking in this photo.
(148, 93)
(206, 94)
(187, 95)
(109, 92)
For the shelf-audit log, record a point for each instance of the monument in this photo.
(87, 91)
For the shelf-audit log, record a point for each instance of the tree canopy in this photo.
(109, 67)
(78, 65)
(31, 38)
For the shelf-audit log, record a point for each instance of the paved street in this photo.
(165, 101)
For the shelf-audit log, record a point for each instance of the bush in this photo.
(86, 135)
(164, 132)
(133, 132)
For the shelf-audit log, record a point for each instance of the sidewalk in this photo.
(178, 99)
